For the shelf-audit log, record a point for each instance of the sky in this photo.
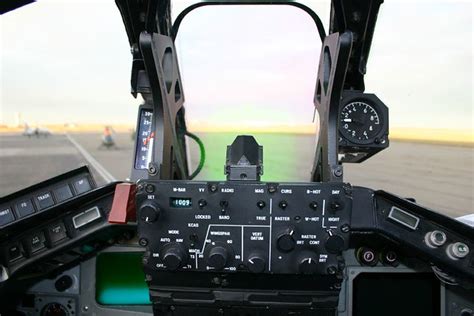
(69, 61)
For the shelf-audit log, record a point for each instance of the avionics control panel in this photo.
(54, 223)
(247, 227)
(44, 196)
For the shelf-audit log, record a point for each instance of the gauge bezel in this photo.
(375, 104)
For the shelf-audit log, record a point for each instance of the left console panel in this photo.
(54, 225)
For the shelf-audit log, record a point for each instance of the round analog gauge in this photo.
(54, 309)
(360, 122)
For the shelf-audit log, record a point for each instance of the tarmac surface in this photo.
(438, 176)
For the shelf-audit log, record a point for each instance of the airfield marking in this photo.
(91, 160)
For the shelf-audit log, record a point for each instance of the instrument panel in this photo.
(250, 246)
(258, 228)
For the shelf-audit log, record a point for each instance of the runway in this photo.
(438, 176)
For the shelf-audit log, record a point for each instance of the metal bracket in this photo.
(169, 154)
(335, 54)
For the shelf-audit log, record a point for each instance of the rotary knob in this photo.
(149, 212)
(308, 265)
(218, 257)
(174, 256)
(334, 243)
(256, 263)
(286, 242)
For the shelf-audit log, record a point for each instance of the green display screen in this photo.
(120, 279)
(181, 202)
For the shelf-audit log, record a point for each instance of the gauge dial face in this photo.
(54, 309)
(360, 122)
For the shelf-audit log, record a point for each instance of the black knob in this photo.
(286, 242)
(308, 266)
(149, 212)
(63, 283)
(174, 256)
(334, 244)
(256, 263)
(218, 257)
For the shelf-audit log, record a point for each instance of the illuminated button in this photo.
(36, 242)
(458, 250)
(63, 193)
(44, 200)
(82, 185)
(6, 216)
(24, 208)
(57, 232)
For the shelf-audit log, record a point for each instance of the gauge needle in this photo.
(148, 139)
(348, 120)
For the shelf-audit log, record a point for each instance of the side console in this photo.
(51, 226)
(443, 242)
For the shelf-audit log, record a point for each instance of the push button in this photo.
(24, 208)
(36, 242)
(57, 232)
(86, 217)
(15, 252)
(6, 216)
(44, 200)
(63, 193)
(82, 185)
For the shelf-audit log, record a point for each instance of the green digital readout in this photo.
(181, 202)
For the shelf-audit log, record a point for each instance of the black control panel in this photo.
(247, 227)
(73, 225)
(436, 239)
(45, 195)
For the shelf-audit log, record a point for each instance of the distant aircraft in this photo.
(37, 131)
(108, 141)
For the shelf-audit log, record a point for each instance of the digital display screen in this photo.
(145, 139)
(404, 218)
(395, 294)
(181, 202)
(120, 279)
